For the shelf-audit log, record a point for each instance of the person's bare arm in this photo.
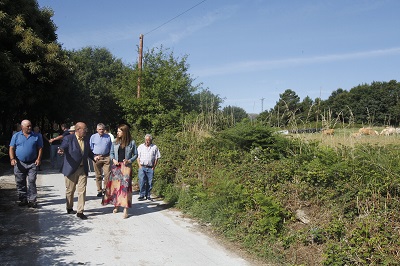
(39, 158)
(11, 153)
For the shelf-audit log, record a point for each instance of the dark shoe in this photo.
(81, 215)
(23, 203)
(71, 211)
(141, 198)
(100, 194)
(32, 204)
(148, 198)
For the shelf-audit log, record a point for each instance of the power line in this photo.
(175, 17)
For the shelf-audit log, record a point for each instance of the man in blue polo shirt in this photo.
(100, 144)
(25, 156)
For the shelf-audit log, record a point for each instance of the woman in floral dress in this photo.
(119, 187)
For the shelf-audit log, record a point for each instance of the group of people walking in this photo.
(113, 161)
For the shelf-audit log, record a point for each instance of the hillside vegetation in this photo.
(290, 200)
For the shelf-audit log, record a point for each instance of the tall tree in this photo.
(306, 110)
(235, 113)
(166, 92)
(337, 105)
(33, 66)
(207, 102)
(287, 107)
(96, 73)
(393, 88)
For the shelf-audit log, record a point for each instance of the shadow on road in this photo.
(25, 237)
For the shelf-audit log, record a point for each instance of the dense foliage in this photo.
(166, 92)
(96, 74)
(34, 70)
(249, 184)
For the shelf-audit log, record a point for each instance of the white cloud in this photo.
(247, 66)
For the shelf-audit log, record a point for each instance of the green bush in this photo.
(247, 183)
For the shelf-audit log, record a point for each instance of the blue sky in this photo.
(248, 50)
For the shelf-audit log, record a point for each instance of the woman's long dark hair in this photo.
(126, 136)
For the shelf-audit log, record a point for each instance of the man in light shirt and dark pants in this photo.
(148, 155)
(100, 144)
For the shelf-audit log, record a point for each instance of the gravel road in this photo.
(152, 235)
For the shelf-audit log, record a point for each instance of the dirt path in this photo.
(152, 235)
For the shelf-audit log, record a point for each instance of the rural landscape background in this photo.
(275, 183)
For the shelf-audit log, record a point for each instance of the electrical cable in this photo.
(174, 17)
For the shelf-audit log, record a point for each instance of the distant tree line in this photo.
(374, 104)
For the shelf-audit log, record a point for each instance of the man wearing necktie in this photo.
(76, 150)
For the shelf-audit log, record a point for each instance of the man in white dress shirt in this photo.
(148, 155)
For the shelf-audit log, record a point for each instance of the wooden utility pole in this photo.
(140, 64)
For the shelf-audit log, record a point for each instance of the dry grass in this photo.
(343, 137)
